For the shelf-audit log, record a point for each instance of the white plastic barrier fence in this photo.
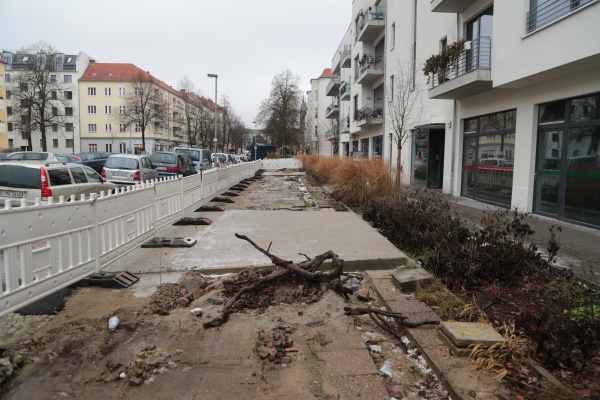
(281, 163)
(46, 247)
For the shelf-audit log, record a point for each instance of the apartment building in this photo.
(105, 92)
(320, 131)
(509, 107)
(3, 106)
(61, 72)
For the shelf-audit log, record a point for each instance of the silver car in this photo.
(32, 155)
(48, 179)
(127, 169)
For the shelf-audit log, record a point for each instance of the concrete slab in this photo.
(407, 279)
(288, 234)
(464, 334)
(148, 283)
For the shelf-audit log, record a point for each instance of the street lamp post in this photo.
(254, 140)
(216, 109)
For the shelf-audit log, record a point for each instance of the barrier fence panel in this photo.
(46, 247)
(281, 163)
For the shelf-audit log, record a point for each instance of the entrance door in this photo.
(435, 166)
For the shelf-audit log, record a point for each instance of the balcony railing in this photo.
(369, 73)
(346, 57)
(368, 115)
(345, 91)
(333, 110)
(370, 25)
(333, 87)
(345, 125)
(332, 133)
(550, 11)
(479, 56)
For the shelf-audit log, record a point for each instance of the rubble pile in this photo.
(275, 345)
(149, 361)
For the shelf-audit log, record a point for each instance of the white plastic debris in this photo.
(375, 348)
(122, 375)
(196, 311)
(113, 322)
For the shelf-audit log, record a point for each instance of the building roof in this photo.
(118, 72)
(327, 74)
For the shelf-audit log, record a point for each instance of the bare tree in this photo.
(145, 107)
(405, 111)
(191, 108)
(38, 96)
(280, 113)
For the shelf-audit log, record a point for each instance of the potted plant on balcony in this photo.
(443, 63)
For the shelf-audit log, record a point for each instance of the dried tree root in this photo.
(307, 269)
(378, 317)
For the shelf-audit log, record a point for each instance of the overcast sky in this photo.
(245, 42)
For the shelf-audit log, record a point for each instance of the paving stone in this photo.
(365, 387)
(464, 334)
(407, 279)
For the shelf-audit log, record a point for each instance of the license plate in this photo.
(119, 173)
(13, 194)
(161, 168)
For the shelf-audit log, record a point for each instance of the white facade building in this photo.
(514, 121)
(319, 129)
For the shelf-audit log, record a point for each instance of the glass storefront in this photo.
(377, 146)
(567, 180)
(488, 157)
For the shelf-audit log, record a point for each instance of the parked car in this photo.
(127, 169)
(172, 164)
(68, 158)
(221, 159)
(235, 159)
(33, 179)
(32, 155)
(94, 159)
(200, 157)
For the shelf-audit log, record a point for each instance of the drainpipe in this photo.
(454, 125)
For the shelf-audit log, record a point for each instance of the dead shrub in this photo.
(359, 183)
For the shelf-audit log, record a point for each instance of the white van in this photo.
(200, 157)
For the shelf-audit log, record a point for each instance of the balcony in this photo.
(345, 91)
(548, 12)
(370, 73)
(472, 73)
(333, 87)
(346, 57)
(450, 6)
(333, 111)
(370, 26)
(345, 125)
(367, 116)
(332, 134)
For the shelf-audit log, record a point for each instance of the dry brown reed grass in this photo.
(355, 182)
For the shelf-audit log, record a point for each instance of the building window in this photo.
(91, 128)
(107, 91)
(55, 143)
(488, 157)
(138, 127)
(8, 94)
(108, 147)
(121, 110)
(7, 77)
(393, 35)
(91, 91)
(121, 128)
(138, 91)
(53, 95)
(69, 143)
(9, 110)
(69, 111)
(108, 128)
(138, 109)
(543, 12)
(107, 109)
(68, 79)
(10, 126)
(69, 127)
(23, 87)
(567, 184)
(93, 147)
(91, 109)
(54, 127)
(121, 91)
(54, 111)
(68, 95)
(53, 78)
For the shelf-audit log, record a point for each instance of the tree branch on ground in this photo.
(307, 269)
